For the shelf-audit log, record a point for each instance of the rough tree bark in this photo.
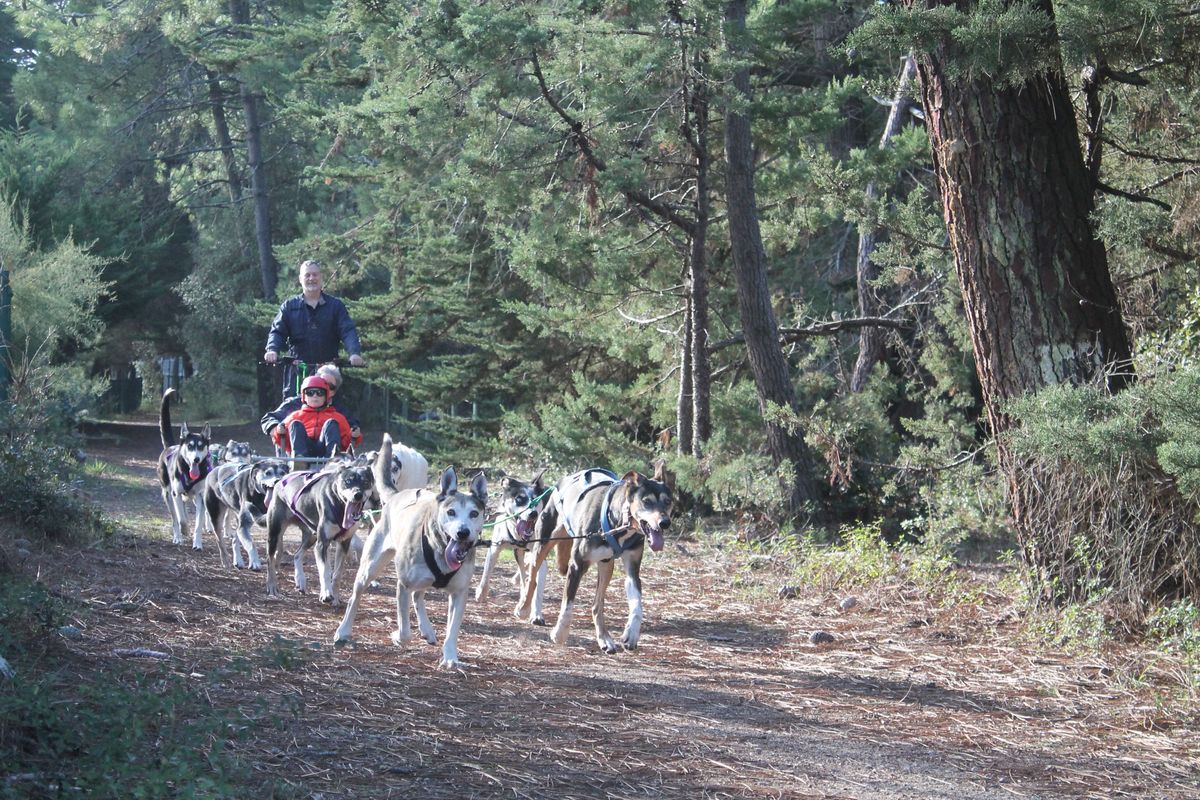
(772, 378)
(1017, 201)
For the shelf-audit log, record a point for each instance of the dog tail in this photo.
(164, 419)
(382, 469)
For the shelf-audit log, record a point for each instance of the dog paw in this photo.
(538, 621)
(608, 646)
(629, 644)
(328, 599)
(450, 664)
(398, 639)
(558, 635)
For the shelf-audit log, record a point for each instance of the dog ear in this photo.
(633, 477)
(479, 488)
(538, 485)
(449, 483)
(207, 432)
(183, 431)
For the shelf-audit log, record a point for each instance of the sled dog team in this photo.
(430, 534)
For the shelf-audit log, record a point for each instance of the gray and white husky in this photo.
(430, 536)
(327, 507)
(182, 469)
(521, 503)
(241, 489)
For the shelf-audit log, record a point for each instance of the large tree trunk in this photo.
(870, 339)
(1018, 201)
(772, 377)
(240, 14)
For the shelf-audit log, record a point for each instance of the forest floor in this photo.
(725, 697)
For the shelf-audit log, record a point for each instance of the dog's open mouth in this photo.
(654, 537)
(194, 472)
(525, 528)
(352, 515)
(456, 553)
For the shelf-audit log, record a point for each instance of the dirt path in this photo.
(725, 697)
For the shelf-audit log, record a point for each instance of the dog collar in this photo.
(440, 579)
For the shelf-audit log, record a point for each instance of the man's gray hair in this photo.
(310, 263)
(331, 374)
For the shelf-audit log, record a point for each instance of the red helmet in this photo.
(314, 382)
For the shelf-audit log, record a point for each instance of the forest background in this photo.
(920, 269)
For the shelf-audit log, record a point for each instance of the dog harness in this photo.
(606, 529)
(311, 478)
(605, 525)
(242, 468)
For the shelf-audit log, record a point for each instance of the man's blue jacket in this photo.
(313, 334)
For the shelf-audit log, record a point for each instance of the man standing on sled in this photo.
(312, 325)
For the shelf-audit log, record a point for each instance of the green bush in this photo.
(38, 489)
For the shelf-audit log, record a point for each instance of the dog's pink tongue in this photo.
(656, 540)
(194, 473)
(351, 515)
(453, 556)
(524, 528)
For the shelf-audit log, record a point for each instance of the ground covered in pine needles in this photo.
(725, 697)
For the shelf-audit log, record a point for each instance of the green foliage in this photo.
(38, 486)
(115, 734)
(1176, 627)
(997, 41)
(862, 556)
(55, 292)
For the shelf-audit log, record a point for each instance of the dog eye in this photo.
(452, 513)
(474, 514)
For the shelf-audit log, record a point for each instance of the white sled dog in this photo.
(430, 537)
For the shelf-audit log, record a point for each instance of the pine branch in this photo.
(791, 335)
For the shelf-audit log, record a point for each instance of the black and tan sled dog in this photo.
(182, 469)
(593, 517)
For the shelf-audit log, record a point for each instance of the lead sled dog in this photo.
(430, 538)
(182, 469)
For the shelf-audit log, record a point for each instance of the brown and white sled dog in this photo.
(606, 519)
(430, 537)
(326, 506)
(182, 469)
(241, 489)
(521, 503)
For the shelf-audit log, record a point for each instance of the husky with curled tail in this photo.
(430, 536)
(182, 469)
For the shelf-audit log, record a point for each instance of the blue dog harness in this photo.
(606, 530)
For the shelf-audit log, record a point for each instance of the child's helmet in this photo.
(314, 382)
